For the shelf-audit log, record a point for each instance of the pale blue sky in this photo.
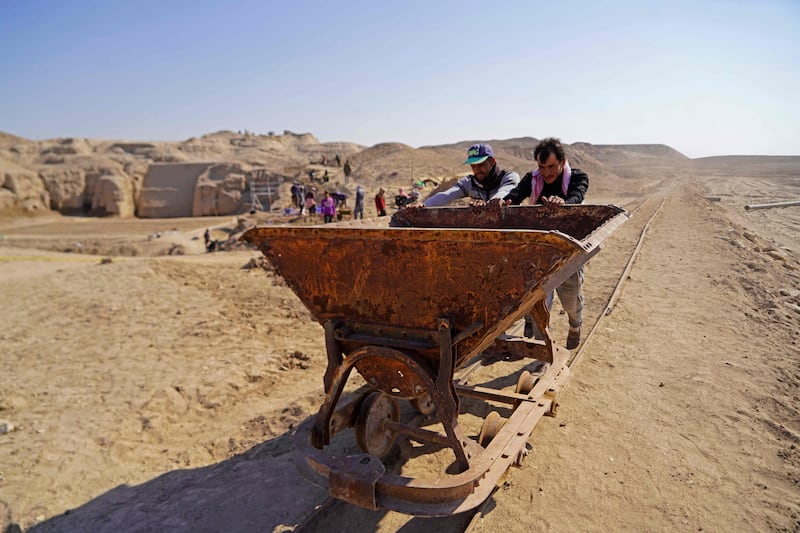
(705, 77)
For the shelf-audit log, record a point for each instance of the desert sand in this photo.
(160, 392)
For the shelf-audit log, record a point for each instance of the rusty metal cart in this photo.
(414, 304)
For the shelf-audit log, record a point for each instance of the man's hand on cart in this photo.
(552, 200)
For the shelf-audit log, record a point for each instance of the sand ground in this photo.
(160, 392)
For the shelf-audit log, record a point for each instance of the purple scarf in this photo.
(538, 183)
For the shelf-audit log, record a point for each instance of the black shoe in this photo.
(573, 338)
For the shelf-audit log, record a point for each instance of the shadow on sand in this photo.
(259, 490)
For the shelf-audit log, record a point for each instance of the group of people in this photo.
(312, 177)
(305, 199)
(551, 184)
(332, 201)
(340, 201)
(347, 169)
(212, 245)
(401, 199)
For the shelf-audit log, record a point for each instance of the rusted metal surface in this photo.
(353, 479)
(407, 304)
(409, 275)
(576, 221)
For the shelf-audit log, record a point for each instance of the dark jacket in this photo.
(578, 185)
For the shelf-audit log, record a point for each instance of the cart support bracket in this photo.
(353, 480)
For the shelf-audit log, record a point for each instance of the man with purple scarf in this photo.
(555, 183)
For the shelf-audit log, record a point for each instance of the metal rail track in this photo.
(465, 522)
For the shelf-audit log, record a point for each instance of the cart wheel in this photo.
(525, 385)
(424, 404)
(372, 435)
(490, 428)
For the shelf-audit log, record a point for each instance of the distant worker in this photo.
(310, 202)
(206, 237)
(338, 161)
(401, 198)
(358, 208)
(380, 203)
(327, 207)
(297, 195)
(340, 198)
(487, 181)
(553, 184)
(347, 170)
(211, 244)
(301, 196)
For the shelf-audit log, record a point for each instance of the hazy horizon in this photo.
(384, 142)
(705, 78)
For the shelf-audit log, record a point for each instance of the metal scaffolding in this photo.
(264, 190)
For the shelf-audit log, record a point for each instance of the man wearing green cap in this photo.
(487, 181)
